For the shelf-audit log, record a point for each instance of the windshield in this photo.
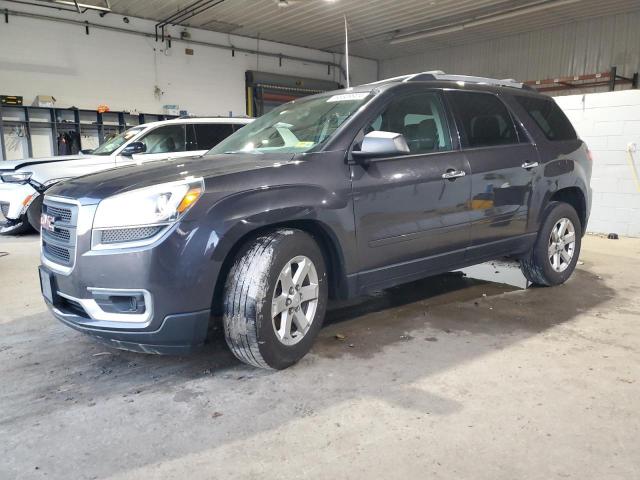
(111, 145)
(294, 127)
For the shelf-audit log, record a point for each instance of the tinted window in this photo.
(549, 117)
(420, 118)
(170, 138)
(483, 120)
(208, 135)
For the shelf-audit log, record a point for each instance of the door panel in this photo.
(405, 210)
(503, 163)
(406, 213)
(500, 191)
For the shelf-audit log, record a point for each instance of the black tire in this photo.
(248, 294)
(536, 266)
(34, 211)
(16, 228)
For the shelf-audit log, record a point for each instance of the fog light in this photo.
(133, 304)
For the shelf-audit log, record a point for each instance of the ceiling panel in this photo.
(373, 23)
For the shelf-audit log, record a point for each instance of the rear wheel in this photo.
(275, 299)
(555, 253)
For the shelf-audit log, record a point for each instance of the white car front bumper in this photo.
(18, 197)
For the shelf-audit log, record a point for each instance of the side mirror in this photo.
(381, 144)
(87, 151)
(133, 148)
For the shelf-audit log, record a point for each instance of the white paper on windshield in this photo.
(348, 97)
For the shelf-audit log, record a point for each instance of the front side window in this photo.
(114, 143)
(167, 139)
(295, 127)
(549, 117)
(420, 119)
(483, 120)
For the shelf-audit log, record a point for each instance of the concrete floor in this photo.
(448, 378)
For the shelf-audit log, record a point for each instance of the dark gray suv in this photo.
(330, 196)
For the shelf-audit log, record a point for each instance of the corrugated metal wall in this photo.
(577, 48)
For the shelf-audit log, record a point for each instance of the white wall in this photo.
(608, 122)
(121, 69)
(584, 47)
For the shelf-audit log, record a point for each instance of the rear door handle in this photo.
(527, 166)
(452, 174)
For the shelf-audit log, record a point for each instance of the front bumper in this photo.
(176, 335)
(175, 288)
(18, 197)
(152, 333)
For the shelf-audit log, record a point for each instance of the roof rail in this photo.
(440, 75)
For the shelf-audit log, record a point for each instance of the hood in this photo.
(18, 164)
(93, 188)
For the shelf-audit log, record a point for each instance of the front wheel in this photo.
(557, 247)
(275, 299)
(34, 211)
(15, 227)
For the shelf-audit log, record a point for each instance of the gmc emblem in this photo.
(47, 222)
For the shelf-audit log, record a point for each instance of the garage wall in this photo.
(610, 123)
(583, 47)
(121, 69)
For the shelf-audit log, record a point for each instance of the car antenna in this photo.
(346, 48)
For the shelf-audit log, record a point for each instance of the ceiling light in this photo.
(479, 21)
(79, 5)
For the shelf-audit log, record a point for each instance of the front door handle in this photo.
(528, 166)
(452, 174)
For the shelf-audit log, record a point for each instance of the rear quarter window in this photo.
(549, 117)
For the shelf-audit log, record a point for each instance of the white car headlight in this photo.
(16, 177)
(156, 205)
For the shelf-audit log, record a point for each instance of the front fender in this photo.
(255, 209)
(225, 224)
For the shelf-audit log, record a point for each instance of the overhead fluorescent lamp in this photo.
(78, 5)
(480, 21)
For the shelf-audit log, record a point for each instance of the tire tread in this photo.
(238, 304)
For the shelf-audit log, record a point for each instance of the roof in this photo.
(191, 120)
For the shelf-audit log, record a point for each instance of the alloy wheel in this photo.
(295, 300)
(562, 244)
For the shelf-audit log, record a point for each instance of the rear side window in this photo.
(208, 135)
(483, 120)
(549, 117)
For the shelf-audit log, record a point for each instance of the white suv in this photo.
(23, 182)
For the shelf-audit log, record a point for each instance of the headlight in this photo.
(16, 177)
(157, 205)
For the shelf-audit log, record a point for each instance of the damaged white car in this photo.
(23, 182)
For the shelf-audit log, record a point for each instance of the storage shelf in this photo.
(77, 121)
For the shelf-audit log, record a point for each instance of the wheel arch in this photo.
(575, 197)
(321, 233)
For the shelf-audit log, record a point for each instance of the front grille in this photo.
(127, 234)
(61, 214)
(59, 244)
(61, 234)
(63, 255)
